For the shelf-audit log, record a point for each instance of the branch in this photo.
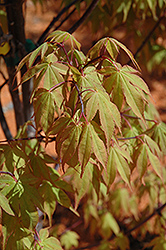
(128, 232)
(41, 138)
(54, 20)
(84, 17)
(136, 117)
(148, 36)
(4, 124)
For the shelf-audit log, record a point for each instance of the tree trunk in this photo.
(15, 16)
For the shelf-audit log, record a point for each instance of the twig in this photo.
(40, 138)
(148, 36)
(85, 16)
(66, 18)
(54, 20)
(128, 232)
(136, 117)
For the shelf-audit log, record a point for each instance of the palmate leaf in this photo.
(46, 242)
(98, 147)
(4, 204)
(59, 36)
(89, 79)
(96, 50)
(85, 147)
(108, 225)
(69, 239)
(132, 86)
(112, 46)
(144, 153)
(59, 125)
(44, 108)
(118, 161)
(159, 136)
(80, 185)
(108, 112)
(67, 141)
(49, 199)
(12, 156)
(142, 160)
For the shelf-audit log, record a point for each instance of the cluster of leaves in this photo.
(137, 18)
(104, 126)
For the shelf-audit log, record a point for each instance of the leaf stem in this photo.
(136, 117)
(82, 104)
(55, 86)
(9, 173)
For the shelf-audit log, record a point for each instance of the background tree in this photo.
(108, 138)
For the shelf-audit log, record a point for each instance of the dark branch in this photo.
(128, 232)
(54, 20)
(148, 36)
(84, 17)
(4, 124)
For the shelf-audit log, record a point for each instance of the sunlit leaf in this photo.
(67, 141)
(59, 36)
(4, 204)
(85, 147)
(98, 146)
(109, 225)
(44, 107)
(69, 239)
(142, 160)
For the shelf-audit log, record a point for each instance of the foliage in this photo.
(100, 116)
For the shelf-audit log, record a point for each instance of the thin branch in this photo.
(4, 124)
(66, 18)
(128, 232)
(136, 117)
(156, 211)
(41, 138)
(148, 36)
(54, 20)
(84, 17)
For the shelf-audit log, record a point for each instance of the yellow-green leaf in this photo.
(98, 146)
(85, 146)
(4, 204)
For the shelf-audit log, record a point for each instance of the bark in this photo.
(16, 28)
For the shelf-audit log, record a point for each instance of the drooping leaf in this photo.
(159, 136)
(61, 197)
(109, 177)
(132, 86)
(122, 242)
(60, 36)
(4, 204)
(85, 147)
(120, 160)
(108, 112)
(49, 198)
(142, 160)
(59, 125)
(98, 146)
(109, 225)
(67, 141)
(156, 164)
(44, 107)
